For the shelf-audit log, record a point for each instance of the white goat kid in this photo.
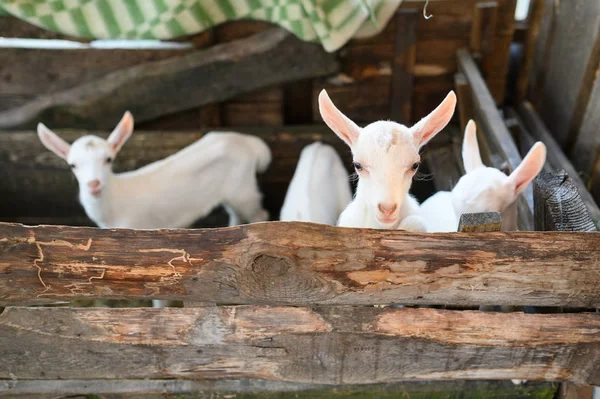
(482, 189)
(220, 168)
(386, 158)
(320, 188)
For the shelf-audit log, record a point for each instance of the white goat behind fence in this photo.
(320, 188)
(482, 189)
(386, 158)
(220, 168)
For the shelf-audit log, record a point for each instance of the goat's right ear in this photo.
(432, 124)
(51, 141)
(122, 132)
(338, 122)
(530, 167)
(470, 150)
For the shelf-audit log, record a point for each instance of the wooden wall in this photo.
(564, 85)
(401, 74)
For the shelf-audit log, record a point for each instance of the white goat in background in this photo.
(320, 188)
(482, 189)
(386, 158)
(174, 192)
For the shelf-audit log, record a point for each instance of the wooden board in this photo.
(219, 73)
(38, 186)
(299, 264)
(335, 345)
(267, 389)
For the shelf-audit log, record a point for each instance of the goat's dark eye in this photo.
(72, 165)
(109, 160)
(416, 165)
(357, 166)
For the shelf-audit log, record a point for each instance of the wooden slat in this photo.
(558, 205)
(38, 187)
(339, 345)
(465, 100)
(556, 158)
(218, 74)
(536, 9)
(403, 65)
(298, 263)
(490, 123)
(267, 389)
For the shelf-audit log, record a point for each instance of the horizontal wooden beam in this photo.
(38, 187)
(332, 345)
(164, 87)
(298, 264)
(492, 124)
(261, 389)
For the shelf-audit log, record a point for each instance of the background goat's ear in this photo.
(51, 141)
(433, 123)
(122, 132)
(338, 122)
(470, 150)
(529, 168)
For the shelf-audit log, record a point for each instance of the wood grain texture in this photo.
(268, 389)
(38, 187)
(480, 222)
(557, 158)
(536, 10)
(558, 205)
(219, 73)
(299, 264)
(492, 127)
(299, 345)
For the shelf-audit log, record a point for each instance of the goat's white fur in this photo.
(387, 150)
(482, 189)
(320, 188)
(220, 168)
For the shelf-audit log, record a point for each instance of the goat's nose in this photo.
(94, 184)
(387, 209)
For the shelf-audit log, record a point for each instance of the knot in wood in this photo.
(270, 266)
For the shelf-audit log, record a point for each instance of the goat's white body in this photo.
(174, 192)
(319, 190)
(438, 212)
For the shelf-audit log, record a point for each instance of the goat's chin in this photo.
(388, 224)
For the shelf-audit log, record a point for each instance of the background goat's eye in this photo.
(109, 160)
(72, 165)
(357, 166)
(416, 165)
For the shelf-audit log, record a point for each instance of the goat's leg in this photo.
(248, 205)
(234, 218)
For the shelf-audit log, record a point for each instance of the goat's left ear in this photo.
(119, 136)
(433, 123)
(529, 168)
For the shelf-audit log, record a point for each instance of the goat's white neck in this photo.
(509, 217)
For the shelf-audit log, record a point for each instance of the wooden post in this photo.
(558, 205)
(465, 100)
(480, 222)
(404, 65)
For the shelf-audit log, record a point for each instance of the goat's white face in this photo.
(386, 154)
(486, 189)
(89, 157)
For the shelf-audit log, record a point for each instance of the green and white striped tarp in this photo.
(330, 22)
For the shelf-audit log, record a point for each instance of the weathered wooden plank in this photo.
(556, 157)
(219, 73)
(465, 100)
(37, 185)
(558, 205)
(480, 222)
(298, 263)
(492, 124)
(266, 389)
(572, 391)
(536, 10)
(339, 345)
(575, 54)
(484, 27)
(403, 65)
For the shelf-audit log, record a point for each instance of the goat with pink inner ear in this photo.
(386, 158)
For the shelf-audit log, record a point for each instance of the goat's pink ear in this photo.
(338, 122)
(433, 123)
(470, 150)
(51, 141)
(529, 168)
(122, 132)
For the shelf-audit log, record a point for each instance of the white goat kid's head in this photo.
(487, 189)
(386, 154)
(90, 157)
